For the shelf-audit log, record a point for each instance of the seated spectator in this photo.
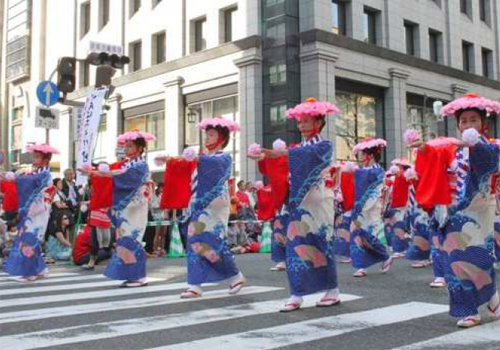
(58, 246)
(251, 247)
(81, 251)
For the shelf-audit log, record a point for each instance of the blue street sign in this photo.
(47, 93)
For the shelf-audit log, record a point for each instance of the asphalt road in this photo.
(73, 309)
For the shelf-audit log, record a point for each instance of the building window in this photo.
(84, 74)
(276, 34)
(277, 114)
(370, 26)
(468, 56)
(466, 7)
(277, 74)
(339, 14)
(136, 56)
(103, 13)
(84, 19)
(199, 27)
(227, 25)
(152, 122)
(487, 62)
(159, 48)
(356, 122)
(435, 46)
(411, 38)
(271, 3)
(135, 5)
(485, 10)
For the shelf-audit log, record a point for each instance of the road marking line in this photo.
(71, 286)
(30, 315)
(105, 330)
(32, 301)
(54, 280)
(8, 278)
(326, 327)
(473, 337)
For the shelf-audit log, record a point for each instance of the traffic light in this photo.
(105, 59)
(66, 70)
(103, 75)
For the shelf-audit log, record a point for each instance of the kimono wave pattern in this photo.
(26, 258)
(309, 246)
(467, 238)
(130, 216)
(366, 219)
(209, 258)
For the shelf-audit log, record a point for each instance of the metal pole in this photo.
(47, 136)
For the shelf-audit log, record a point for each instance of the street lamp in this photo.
(192, 115)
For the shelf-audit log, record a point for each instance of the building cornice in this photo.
(170, 66)
(341, 41)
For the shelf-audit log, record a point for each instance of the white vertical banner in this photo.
(77, 114)
(88, 129)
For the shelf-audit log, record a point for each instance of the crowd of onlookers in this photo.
(95, 238)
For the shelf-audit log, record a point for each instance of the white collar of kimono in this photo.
(129, 162)
(316, 139)
(40, 170)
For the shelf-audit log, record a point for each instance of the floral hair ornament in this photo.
(231, 125)
(312, 107)
(134, 135)
(411, 135)
(369, 143)
(470, 101)
(401, 162)
(43, 148)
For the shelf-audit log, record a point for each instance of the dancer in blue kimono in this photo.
(276, 170)
(344, 203)
(310, 262)
(209, 258)
(35, 192)
(366, 220)
(419, 249)
(131, 195)
(398, 199)
(497, 234)
(466, 228)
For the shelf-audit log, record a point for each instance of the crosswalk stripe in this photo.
(326, 327)
(76, 286)
(57, 280)
(61, 336)
(91, 295)
(476, 337)
(8, 278)
(29, 315)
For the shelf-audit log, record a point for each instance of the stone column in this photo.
(457, 91)
(174, 116)
(396, 113)
(250, 109)
(114, 124)
(317, 76)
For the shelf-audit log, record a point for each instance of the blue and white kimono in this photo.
(497, 231)
(467, 237)
(310, 262)
(35, 198)
(130, 217)
(278, 240)
(419, 225)
(209, 258)
(341, 244)
(366, 219)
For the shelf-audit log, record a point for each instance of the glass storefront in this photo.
(154, 123)
(356, 122)
(226, 107)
